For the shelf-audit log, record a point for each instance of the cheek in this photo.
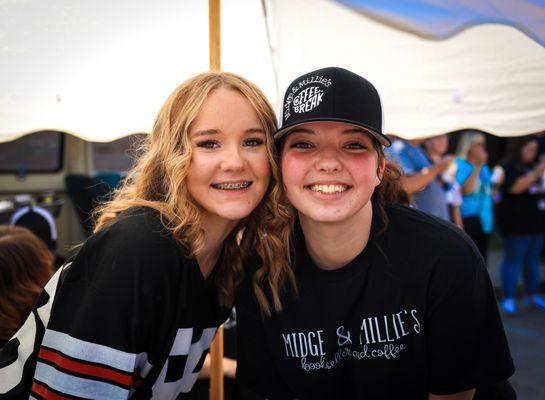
(262, 169)
(366, 171)
(292, 172)
(199, 166)
(259, 164)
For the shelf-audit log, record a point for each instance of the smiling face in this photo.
(229, 171)
(330, 170)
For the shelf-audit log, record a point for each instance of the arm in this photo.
(469, 185)
(104, 332)
(467, 395)
(456, 216)
(229, 368)
(466, 341)
(524, 182)
(418, 181)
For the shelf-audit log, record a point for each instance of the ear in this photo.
(380, 171)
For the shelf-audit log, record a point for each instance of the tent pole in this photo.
(216, 366)
(214, 12)
(216, 348)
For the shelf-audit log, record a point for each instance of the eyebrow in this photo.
(206, 132)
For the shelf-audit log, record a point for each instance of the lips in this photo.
(328, 188)
(232, 185)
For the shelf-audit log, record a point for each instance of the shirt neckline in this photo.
(305, 264)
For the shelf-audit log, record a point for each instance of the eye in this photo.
(355, 146)
(208, 144)
(253, 142)
(301, 145)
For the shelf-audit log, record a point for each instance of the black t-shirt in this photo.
(414, 313)
(130, 316)
(523, 213)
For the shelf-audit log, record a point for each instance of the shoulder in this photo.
(397, 147)
(135, 244)
(510, 169)
(433, 250)
(136, 230)
(462, 163)
(431, 236)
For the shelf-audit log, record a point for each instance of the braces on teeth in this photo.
(233, 186)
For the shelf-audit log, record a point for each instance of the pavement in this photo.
(525, 332)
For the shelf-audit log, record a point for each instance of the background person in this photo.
(134, 313)
(435, 149)
(522, 220)
(42, 223)
(26, 264)
(475, 180)
(420, 177)
(390, 302)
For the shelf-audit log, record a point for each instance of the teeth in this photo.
(231, 186)
(329, 189)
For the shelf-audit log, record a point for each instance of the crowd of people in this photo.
(329, 237)
(465, 190)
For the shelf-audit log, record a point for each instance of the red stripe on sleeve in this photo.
(46, 393)
(85, 369)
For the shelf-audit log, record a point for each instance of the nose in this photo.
(328, 161)
(233, 160)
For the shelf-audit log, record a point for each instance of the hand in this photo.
(540, 167)
(445, 162)
(481, 155)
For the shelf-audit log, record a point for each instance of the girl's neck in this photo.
(216, 231)
(435, 157)
(472, 160)
(333, 245)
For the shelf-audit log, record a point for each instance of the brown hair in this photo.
(513, 155)
(390, 189)
(158, 181)
(26, 264)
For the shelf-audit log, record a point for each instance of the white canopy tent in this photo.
(102, 69)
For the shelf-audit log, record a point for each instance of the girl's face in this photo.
(528, 153)
(438, 144)
(229, 171)
(329, 170)
(478, 146)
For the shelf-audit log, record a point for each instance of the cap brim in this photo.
(382, 139)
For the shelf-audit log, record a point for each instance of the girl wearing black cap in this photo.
(389, 302)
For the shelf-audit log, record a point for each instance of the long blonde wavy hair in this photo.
(158, 181)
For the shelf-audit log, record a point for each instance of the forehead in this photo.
(330, 128)
(531, 144)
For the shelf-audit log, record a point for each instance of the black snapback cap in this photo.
(332, 94)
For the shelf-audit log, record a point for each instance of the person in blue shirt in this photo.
(435, 149)
(420, 176)
(475, 180)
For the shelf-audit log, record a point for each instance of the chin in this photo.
(326, 218)
(234, 215)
